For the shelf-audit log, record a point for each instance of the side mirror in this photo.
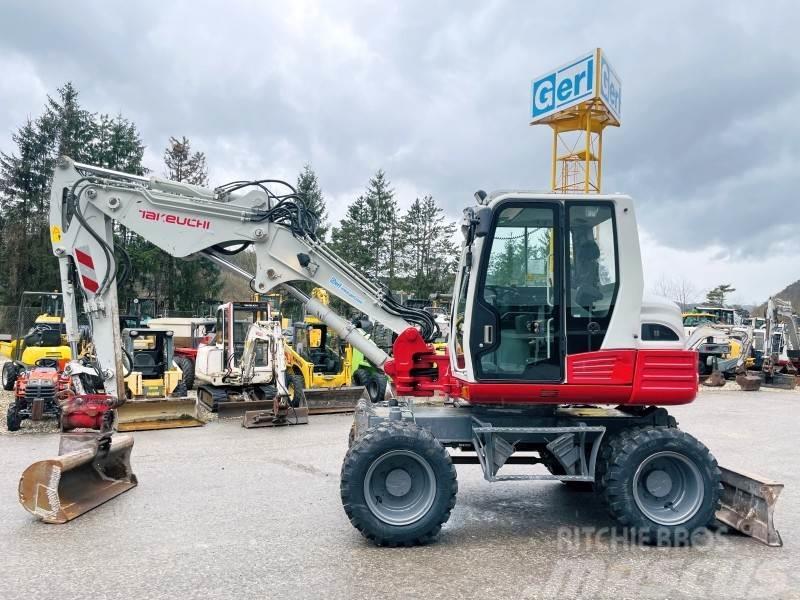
(483, 221)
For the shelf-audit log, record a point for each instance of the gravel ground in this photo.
(224, 512)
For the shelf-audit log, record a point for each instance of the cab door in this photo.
(517, 321)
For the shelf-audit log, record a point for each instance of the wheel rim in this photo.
(400, 487)
(372, 389)
(668, 488)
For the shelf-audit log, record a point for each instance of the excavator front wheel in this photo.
(398, 484)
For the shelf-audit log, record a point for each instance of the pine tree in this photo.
(183, 283)
(352, 238)
(308, 189)
(183, 165)
(64, 128)
(429, 256)
(382, 234)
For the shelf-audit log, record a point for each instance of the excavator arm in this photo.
(188, 221)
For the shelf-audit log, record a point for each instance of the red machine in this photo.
(37, 392)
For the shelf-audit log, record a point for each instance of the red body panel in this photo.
(190, 353)
(607, 367)
(633, 377)
(665, 377)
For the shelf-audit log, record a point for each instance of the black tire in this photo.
(186, 365)
(13, 419)
(639, 499)
(376, 387)
(414, 452)
(351, 436)
(361, 376)
(296, 387)
(555, 468)
(9, 375)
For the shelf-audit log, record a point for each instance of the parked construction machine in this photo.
(525, 355)
(156, 389)
(45, 338)
(244, 370)
(333, 373)
(36, 393)
(781, 343)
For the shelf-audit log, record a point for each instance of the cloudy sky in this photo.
(437, 95)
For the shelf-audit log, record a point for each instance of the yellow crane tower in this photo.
(578, 100)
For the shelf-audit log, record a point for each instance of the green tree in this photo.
(351, 238)
(429, 257)
(183, 283)
(64, 128)
(308, 188)
(717, 295)
(382, 234)
(184, 165)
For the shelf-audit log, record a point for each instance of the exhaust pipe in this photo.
(90, 469)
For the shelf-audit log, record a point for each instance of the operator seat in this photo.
(144, 362)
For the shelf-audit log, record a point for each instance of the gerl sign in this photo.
(587, 77)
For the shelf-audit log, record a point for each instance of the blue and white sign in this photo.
(564, 87)
(610, 88)
(587, 77)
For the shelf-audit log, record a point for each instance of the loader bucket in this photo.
(90, 469)
(322, 401)
(158, 413)
(748, 505)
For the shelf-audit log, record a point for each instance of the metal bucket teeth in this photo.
(89, 470)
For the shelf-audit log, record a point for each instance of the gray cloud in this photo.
(436, 93)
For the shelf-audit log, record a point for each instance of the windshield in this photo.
(695, 320)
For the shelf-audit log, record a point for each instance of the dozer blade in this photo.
(90, 469)
(158, 413)
(267, 418)
(323, 401)
(748, 505)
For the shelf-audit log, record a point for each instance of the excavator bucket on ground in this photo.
(748, 505)
(318, 402)
(323, 401)
(90, 469)
(158, 413)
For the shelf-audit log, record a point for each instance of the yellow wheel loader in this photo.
(155, 386)
(334, 375)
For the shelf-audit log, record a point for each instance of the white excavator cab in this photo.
(223, 359)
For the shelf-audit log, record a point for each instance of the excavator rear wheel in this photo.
(398, 484)
(660, 483)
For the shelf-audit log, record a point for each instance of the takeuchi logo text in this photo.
(153, 215)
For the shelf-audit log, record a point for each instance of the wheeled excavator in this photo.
(554, 361)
